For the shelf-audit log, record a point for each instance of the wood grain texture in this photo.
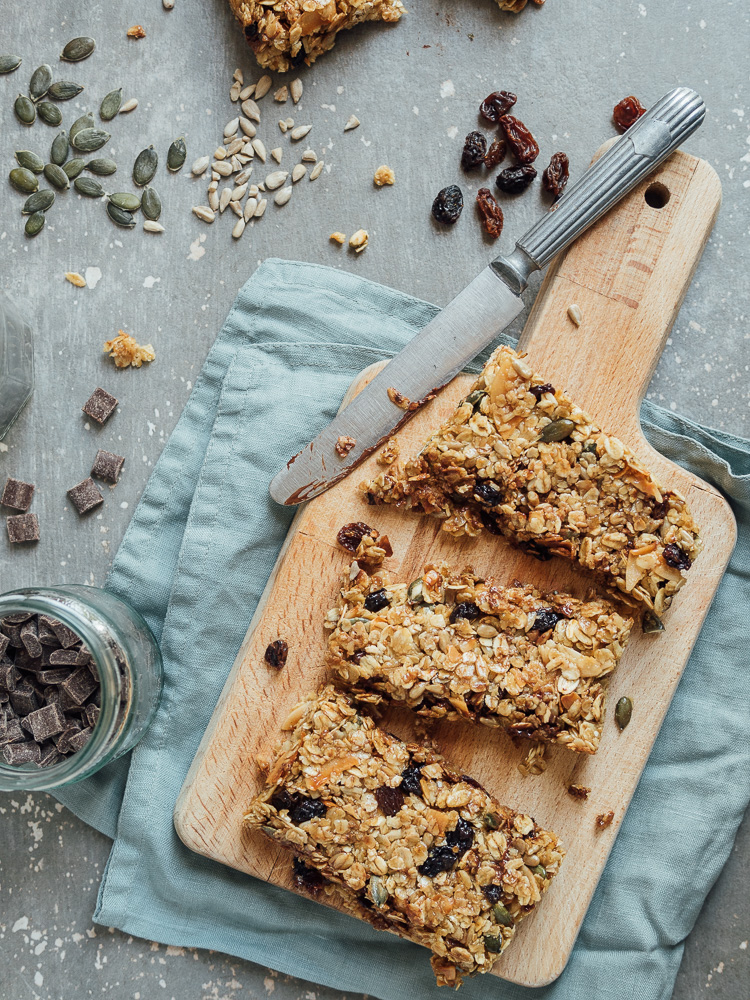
(628, 276)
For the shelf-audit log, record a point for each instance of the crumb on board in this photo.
(603, 820)
(384, 175)
(125, 350)
(339, 238)
(359, 240)
(533, 763)
(75, 279)
(389, 452)
(136, 31)
(579, 791)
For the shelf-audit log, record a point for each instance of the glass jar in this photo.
(130, 672)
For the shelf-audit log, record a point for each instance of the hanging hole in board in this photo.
(657, 195)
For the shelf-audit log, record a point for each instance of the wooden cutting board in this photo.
(628, 275)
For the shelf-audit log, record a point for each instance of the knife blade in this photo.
(486, 306)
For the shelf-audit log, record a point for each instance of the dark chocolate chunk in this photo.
(64, 658)
(80, 739)
(84, 497)
(48, 755)
(17, 618)
(91, 714)
(22, 528)
(65, 636)
(22, 753)
(17, 494)
(79, 685)
(10, 731)
(56, 676)
(30, 638)
(45, 722)
(4, 643)
(62, 742)
(99, 406)
(46, 636)
(9, 677)
(24, 699)
(14, 634)
(107, 466)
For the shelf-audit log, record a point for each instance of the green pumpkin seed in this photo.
(64, 90)
(557, 430)
(378, 892)
(475, 398)
(126, 201)
(30, 160)
(415, 591)
(651, 622)
(176, 154)
(85, 121)
(89, 187)
(49, 113)
(40, 201)
(540, 870)
(25, 110)
(120, 216)
(40, 80)
(502, 916)
(73, 167)
(35, 223)
(56, 176)
(102, 167)
(78, 49)
(59, 151)
(23, 180)
(623, 712)
(493, 942)
(490, 821)
(145, 166)
(9, 63)
(151, 204)
(111, 105)
(88, 140)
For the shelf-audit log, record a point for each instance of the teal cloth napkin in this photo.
(194, 562)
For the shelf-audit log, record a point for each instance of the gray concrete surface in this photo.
(415, 87)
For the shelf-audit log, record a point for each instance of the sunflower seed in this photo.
(88, 140)
(102, 166)
(200, 165)
(40, 80)
(234, 147)
(298, 172)
(213, 201)
(213, 185)
(78, 49)
(26, 158)
(260, 149)
(309, 156)
(276, 179)
(75, 279)
(224, 199)
(261, 208)
(234, 91)
(575, 315)
(145, 166)
(236, 165)
(23, 180)
(85, 121)
(247, 150)
(59, 149)
(220, 153)
(90, 187)
(282, 125)
(251, 110)
(120, 216)
(128, 106)
(231, 127)
(25, 110)
(35, 223)
(247, 92)
(153, 227)
(125, 200)
(64, 90)
(261, 186)
(236, 207)
(277, 154)
(296, 89)
(351, 123)
(250, 205)
(56, 176)
(316, 170)
(242, 159)
(40, 201)
(252, 191)
(238, 76)
(239, 228)
(214, 175)
(243, 177)
(49, 113)
(262, 86)
(300, 132)
(283, 196)
(289, 122)
(111, 105)
(281, 95)
(204, 213)
(222, 167)
(73, 167)
(176, 155)
(9, 63)
(167, 4)
(239, 192)
(151, 204)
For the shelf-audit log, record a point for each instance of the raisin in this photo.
(464, 610)
(514, 180)
(410, 779)
(390, 800)
(352, 534)
(555, 177)
(377, 600)
(475, 148)
(282, 800)
(677, 557)
(462, 837)
(537, 391)
(546, 619)
(627, 112)
(495, 154)
(488, 492)
(490, 522)
(448, 205)
(490, 213)
(493, 893)
(659, 510)
(306, 877)
(440, 859)
(536, 550)
(520, 139)
(468, 780)
(276, 653)
(305, 809)
(497, 104)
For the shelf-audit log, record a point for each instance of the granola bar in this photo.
(285, 33)
(453, 646)
(406, 842)
(520, 459)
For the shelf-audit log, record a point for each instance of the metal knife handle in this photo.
(645, 145)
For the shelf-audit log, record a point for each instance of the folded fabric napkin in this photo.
(194, 562)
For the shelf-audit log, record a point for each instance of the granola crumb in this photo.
(389, 452)
(359, 240)
(339, 238)
(344, 445)
(603, 820)
(402, 401)
(579, 791)
(533, 762)
(125, 351)
(75, 279)
(384, 175)
(136, 31)
(575, 315)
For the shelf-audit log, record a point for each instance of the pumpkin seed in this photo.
(60, 147)
(120, 217)
(153, 227)
(88, 140)
(25, 110)
(30, 160)
(49, 113)
(623, 712)
(78, 49)
(40, 201)
(176, 154)
(89, 187)
(102, 167)
(23, 180)
(64, 90)
(9, 63)
(151, 204)
(35, 224)
(540, 870)
(651, 622)
(126, 201)
(415, 591)
(475, 398)
(73, 167)
(128, 106)
(85, 121)
(490, 821)
(56, 176)
(557, 430)
(110, 105)
(145, 166)
(502, 916)
(378, 892)
(493, 943)
(40, 80)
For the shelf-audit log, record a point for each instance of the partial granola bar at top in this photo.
(454, 646)
(519, 458)
(286, 33)
(412, 845)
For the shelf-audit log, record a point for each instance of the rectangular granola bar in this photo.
(520, 459)
(401, 839)
(454, 646)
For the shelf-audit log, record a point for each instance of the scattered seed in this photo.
(145, 166)
(59, 149)
(276, 179)
(358, 241)
(263, 86)
(25, 110)
(575, 315)
(234, 147)
(64, 90)
(128, 106)
(150, 204)
(289, 122)
(73, 167)
(317, 170)
(236, 165)
(8, 64)
(200, 165)
(40, 80)
(213, 201)
(261, 186)
(239, 192)
(214, 175)
(203, 213)
(557, 430)
(153, 227)
(167, 4)
(248, 128)
(250, 206)
(247, 92)
(31, 161)
(239, 228)
(78, 49)
(623, 712)
(111, 105)
(300, 132)
(231, 127)
(248, 151)
(85, 121)
(283, 126)
(277, 154)
(296, 89)
(137, 31)
(176, 155)
(56, 176)
(261, 208)
(236, 207)
(75, 279)
(222, 167)
(49, 113)
(650, 622)
(238, 76)
(298, 172)
(283, 196)
(234, 91)
(24, 180)
(35, 224)
(339, 238)
(88, 140)
(224, 198)
(351, 123)
(89, 187)
(383, 175)
(243, 177)
(260, 149)
(309, 156)
(120, 217)
(40, 201)
(281, 95)
(102, 166)
(125, 200)
(251, 110)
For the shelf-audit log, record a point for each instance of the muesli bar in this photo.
(454, 646)
(400, 838)
(520, 459)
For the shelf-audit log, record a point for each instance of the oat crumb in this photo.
(579, 791)
(389, 452)
(359, 240)
(75, 279)
(125, 350)
(384, 175)
(338, 237)
(136, 32)
(402, 401)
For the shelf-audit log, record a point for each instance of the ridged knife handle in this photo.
(645, 145)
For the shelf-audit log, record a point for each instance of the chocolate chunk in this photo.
(84, 497)
(91, 714)
(22, 528)
(65, 636)
(79, 685)
(100, 406)
(14, 634)
(17, 494)
(22, 753)
(10, 731)
(24, 699)
(64, 658)
(107, 466)
(30, 638)
(56, 676)
(80, 739)
(9, 677)
(62, 742)
(45, 722)
(48, 755)
(46, 636)
(4, 643)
